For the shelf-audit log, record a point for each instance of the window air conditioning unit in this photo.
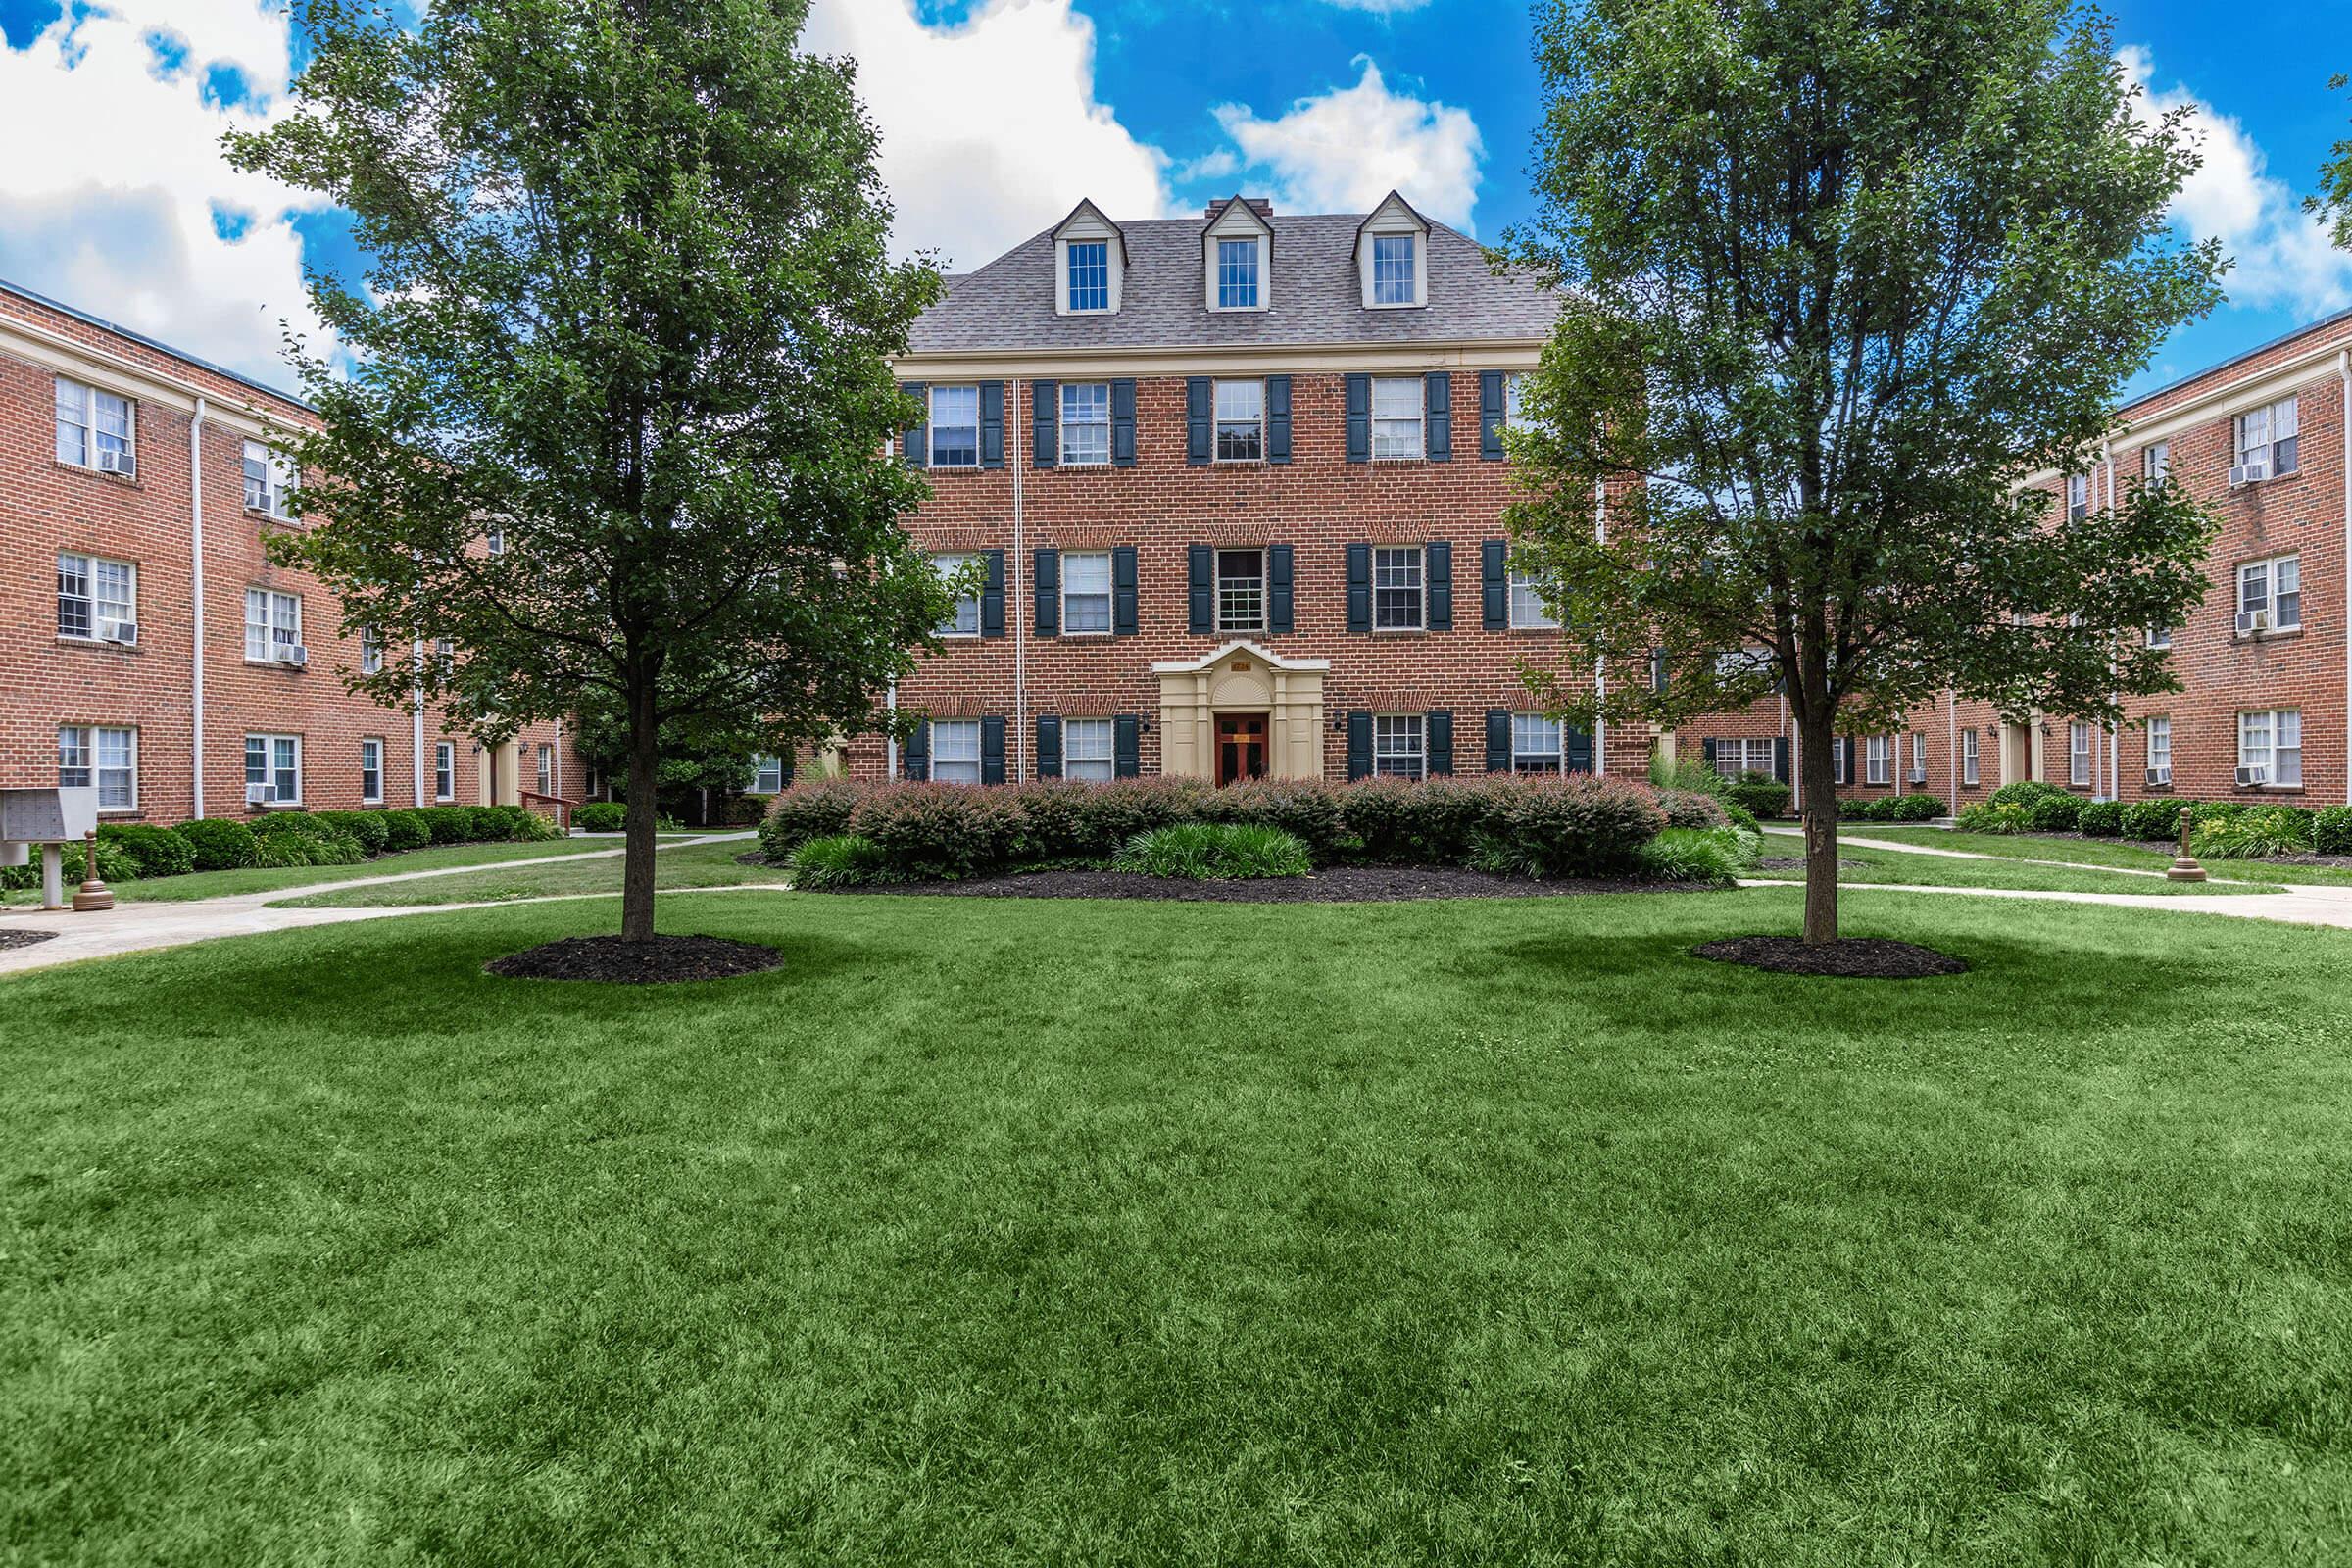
(257, 794)
(2249, 472)
(121, 462)
(120, 631)
(1919, 775)
(297, 656)
(2160, 776)
(2253, 776)
(2253, 620)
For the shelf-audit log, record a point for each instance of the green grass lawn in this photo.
(1895, 868)
(1010, 1231)
(693, 865)
(262, 879)
(2094, 852)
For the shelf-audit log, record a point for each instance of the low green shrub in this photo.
(2007, 817)
(943, 832)
(839, 860)
(1217, 850)
(272, 823)
(1687, 771)
(406, 828)
(1916, 808)
(1695, 854)
(819, 810)
(450, 824)
(1760, 794)
(2054, 814)
(1741, 817)
(2331, 831)
(2100, 819)
(748, 810)
(1579, 825)
(2024, 792)
(220, 845)
(155, 851)
(2255, 834)
(367, 827)
(1686, 808)
(2152, 820)
(115, 865)
(602, 816)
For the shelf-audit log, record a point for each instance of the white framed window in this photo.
(1086, 749)
(1085, 424)
(371, 650)
(274, 764)
(1085, 590)
(955, 750)
(1878, 765)
(2270, 595)
(767, 773)
(1919, 758)
(1747, 755)
(1089, 274)
(1529, 611)
(1396, 745)
(1840, 761)
(97, 597)
(1240, 408)
(1395, 269)
(1536, 745)
(1240, 590)
(2156, 462)
(1513, 416)
(371, 772)
(546, 769)
(273, 621)
(1971, 767)
(100, 757)
(2267, 442)
(955, 427)
(494, 542)
(2159, 750)
(94, 428)
(269, 477)
(2160, 636)
(1398, 408)
(1237, 275)
(2078, 497)
(965, 621)
(1396, 588)
(2078, 753)
(445, 772)
(2270, 746)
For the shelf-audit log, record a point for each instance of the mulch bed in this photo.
(1339, 884)
(1847, 959)
(17, 937)
(660, 961)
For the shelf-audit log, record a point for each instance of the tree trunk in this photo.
(637, 853)
(1816, 735)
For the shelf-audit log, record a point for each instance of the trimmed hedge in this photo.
(2025, 792)
(2100, 819)
(2331, 831)
(369, 827)
(2158, 819)
(155, 851)
(2054, 814)
(115, 865)
(405, 828)
(220, 844)
(1892, 808)
(1760, 794)
(603, 816)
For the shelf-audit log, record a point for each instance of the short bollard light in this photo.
(2185, 868)
(93, 893)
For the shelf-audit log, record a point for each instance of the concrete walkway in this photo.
(1900, 848)
(138, 927)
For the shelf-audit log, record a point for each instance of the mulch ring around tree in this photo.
(1847, 959)
(660, 961)
(17, 937)
(1339, 884)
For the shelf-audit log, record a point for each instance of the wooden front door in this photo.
(1241, 747)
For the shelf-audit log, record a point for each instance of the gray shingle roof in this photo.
(1314, 296)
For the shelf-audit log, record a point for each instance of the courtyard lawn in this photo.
(2094, 852)
(1013, 1232)
(262, 879)
(1892, 868)
(692, 865)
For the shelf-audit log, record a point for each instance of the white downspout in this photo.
(890, 738)
(1600, 674)
(1020, 558)
(2344, 368)
(196, 620)
(1952, 746)
(2115, 774)
(417, 721)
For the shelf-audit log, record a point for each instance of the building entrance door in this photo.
(1241, 747)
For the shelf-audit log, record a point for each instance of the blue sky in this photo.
(998, 114)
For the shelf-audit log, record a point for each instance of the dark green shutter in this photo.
(1658, 669)
(1201, 562)
(1490, 415)
(1779, 759)
(1048, 746)
(1200, 421)
(992, 597)
(991, 425)
(1499, 739)
(1122, 591)
(1360, 745)
(1359, 587)
(1437, 573)
(1359, 419)
(917, 764)
(1580, 749)
(1437, 735)
(1122, 423)
(992, 749)
(1437, 408)
(1706, 752)
(1044, 418)
(1046, 590)
(1278, 588)
(914, 447)
(1126, 746)
(1494, 585)
(1278, 419)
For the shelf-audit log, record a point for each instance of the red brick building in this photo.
(2265, 662)
(1231, 489)
(147, 645)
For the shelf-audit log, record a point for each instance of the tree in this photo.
(2333, 203)
(1841, 276)
(618, 400)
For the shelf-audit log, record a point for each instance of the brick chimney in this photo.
(1263, 206)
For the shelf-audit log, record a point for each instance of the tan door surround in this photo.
(1242, 677)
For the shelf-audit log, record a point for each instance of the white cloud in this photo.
(108, 197)
(2284, 257)
(1380, 7)
(990, 130)
(1345, 149)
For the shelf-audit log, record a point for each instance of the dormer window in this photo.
(1392, 269)
(1089, 274)
(1237, 275)
(1237, 248)
(1091, 263)
(1391, 256)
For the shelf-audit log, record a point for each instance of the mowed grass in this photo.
(2097, 852)
(263, 879)
(1891, 867)
(686, 865)
(1011, 1232)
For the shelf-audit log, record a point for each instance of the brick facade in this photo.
(49, 507)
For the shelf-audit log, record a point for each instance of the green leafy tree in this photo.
(2333, 203)
(618, 408)
(1842, 275)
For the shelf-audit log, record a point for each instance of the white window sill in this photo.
(1089, 636)
(1399, 631)
(1089, 462)
(1550, 625)
(96, 472)
(92, 641)
(1418, 457)
(274, 664)
(118, 810)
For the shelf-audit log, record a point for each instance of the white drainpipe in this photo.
(1600, 674)
(890, 704)
(2115, 776)
(196, 620)
(1951, 747)
(1013, 575)
(417, 721)
(2344, 368)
